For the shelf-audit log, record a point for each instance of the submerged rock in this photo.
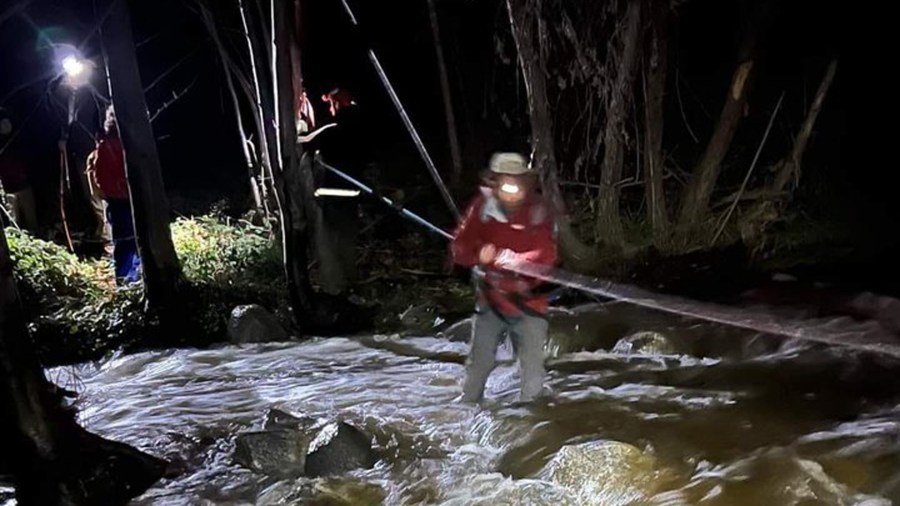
(326, 492)
(254, 324)
(793, 481)
(603, 473)
(646, 343)
(495, 490)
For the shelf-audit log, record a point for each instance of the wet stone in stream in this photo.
(292, 446)
(254, 324)
(603, 473)
(646, 343)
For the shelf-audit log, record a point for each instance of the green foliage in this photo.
(71, 304)
(50, 272)
(76, 311)
(220, 254)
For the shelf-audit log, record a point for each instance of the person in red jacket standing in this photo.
(510, 222)
(108, 173)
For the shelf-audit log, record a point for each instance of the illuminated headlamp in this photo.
(510, 188)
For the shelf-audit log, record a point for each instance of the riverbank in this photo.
(76, 313)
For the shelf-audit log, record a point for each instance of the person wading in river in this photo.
(509, 222)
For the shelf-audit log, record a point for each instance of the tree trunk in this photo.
(609, 223)
(655, 69)
(695, 202)
(448, 101)
(264, 150)
(52, 459)
(273, 83)
(757, 219)
(706, 172)
(789, 168)
(290, 182)
(525, 18)
(148, 196)
(333, 279)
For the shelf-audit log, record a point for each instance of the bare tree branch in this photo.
(175, 98)
(173, 67)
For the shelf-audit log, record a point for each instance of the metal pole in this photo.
(407, 122)
(405, 212)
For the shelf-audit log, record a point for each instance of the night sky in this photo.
(845, 175)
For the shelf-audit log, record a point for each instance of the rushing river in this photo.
(716, 417)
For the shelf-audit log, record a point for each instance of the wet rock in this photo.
(347, 493)
(793, 481)
(646, 343)
(603, 473)
(596, 327)
(779, 476)
(884, 310)
(302, 446)
(494, 489)
(419, 318)
(279, 453)
(277, 419)
(338, 448)
(459, 332)
(254, 324)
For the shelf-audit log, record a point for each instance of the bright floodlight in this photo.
(73, 66)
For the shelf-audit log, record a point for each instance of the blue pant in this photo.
(125, 253)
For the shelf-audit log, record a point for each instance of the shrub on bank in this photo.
(76, 312)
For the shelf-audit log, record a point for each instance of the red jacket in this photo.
(528, 235)
(109, 169)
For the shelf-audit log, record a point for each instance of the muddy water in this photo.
(716, 417)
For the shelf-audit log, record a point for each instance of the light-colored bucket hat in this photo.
(512, 164)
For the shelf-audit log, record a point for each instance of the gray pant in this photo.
(527, 334)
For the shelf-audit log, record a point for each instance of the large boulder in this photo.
(603, 473)
(303, 446)
(254, 324)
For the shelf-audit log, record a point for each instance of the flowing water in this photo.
(715, 417)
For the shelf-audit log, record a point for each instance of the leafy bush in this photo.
(220, 254)
(76, 312)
